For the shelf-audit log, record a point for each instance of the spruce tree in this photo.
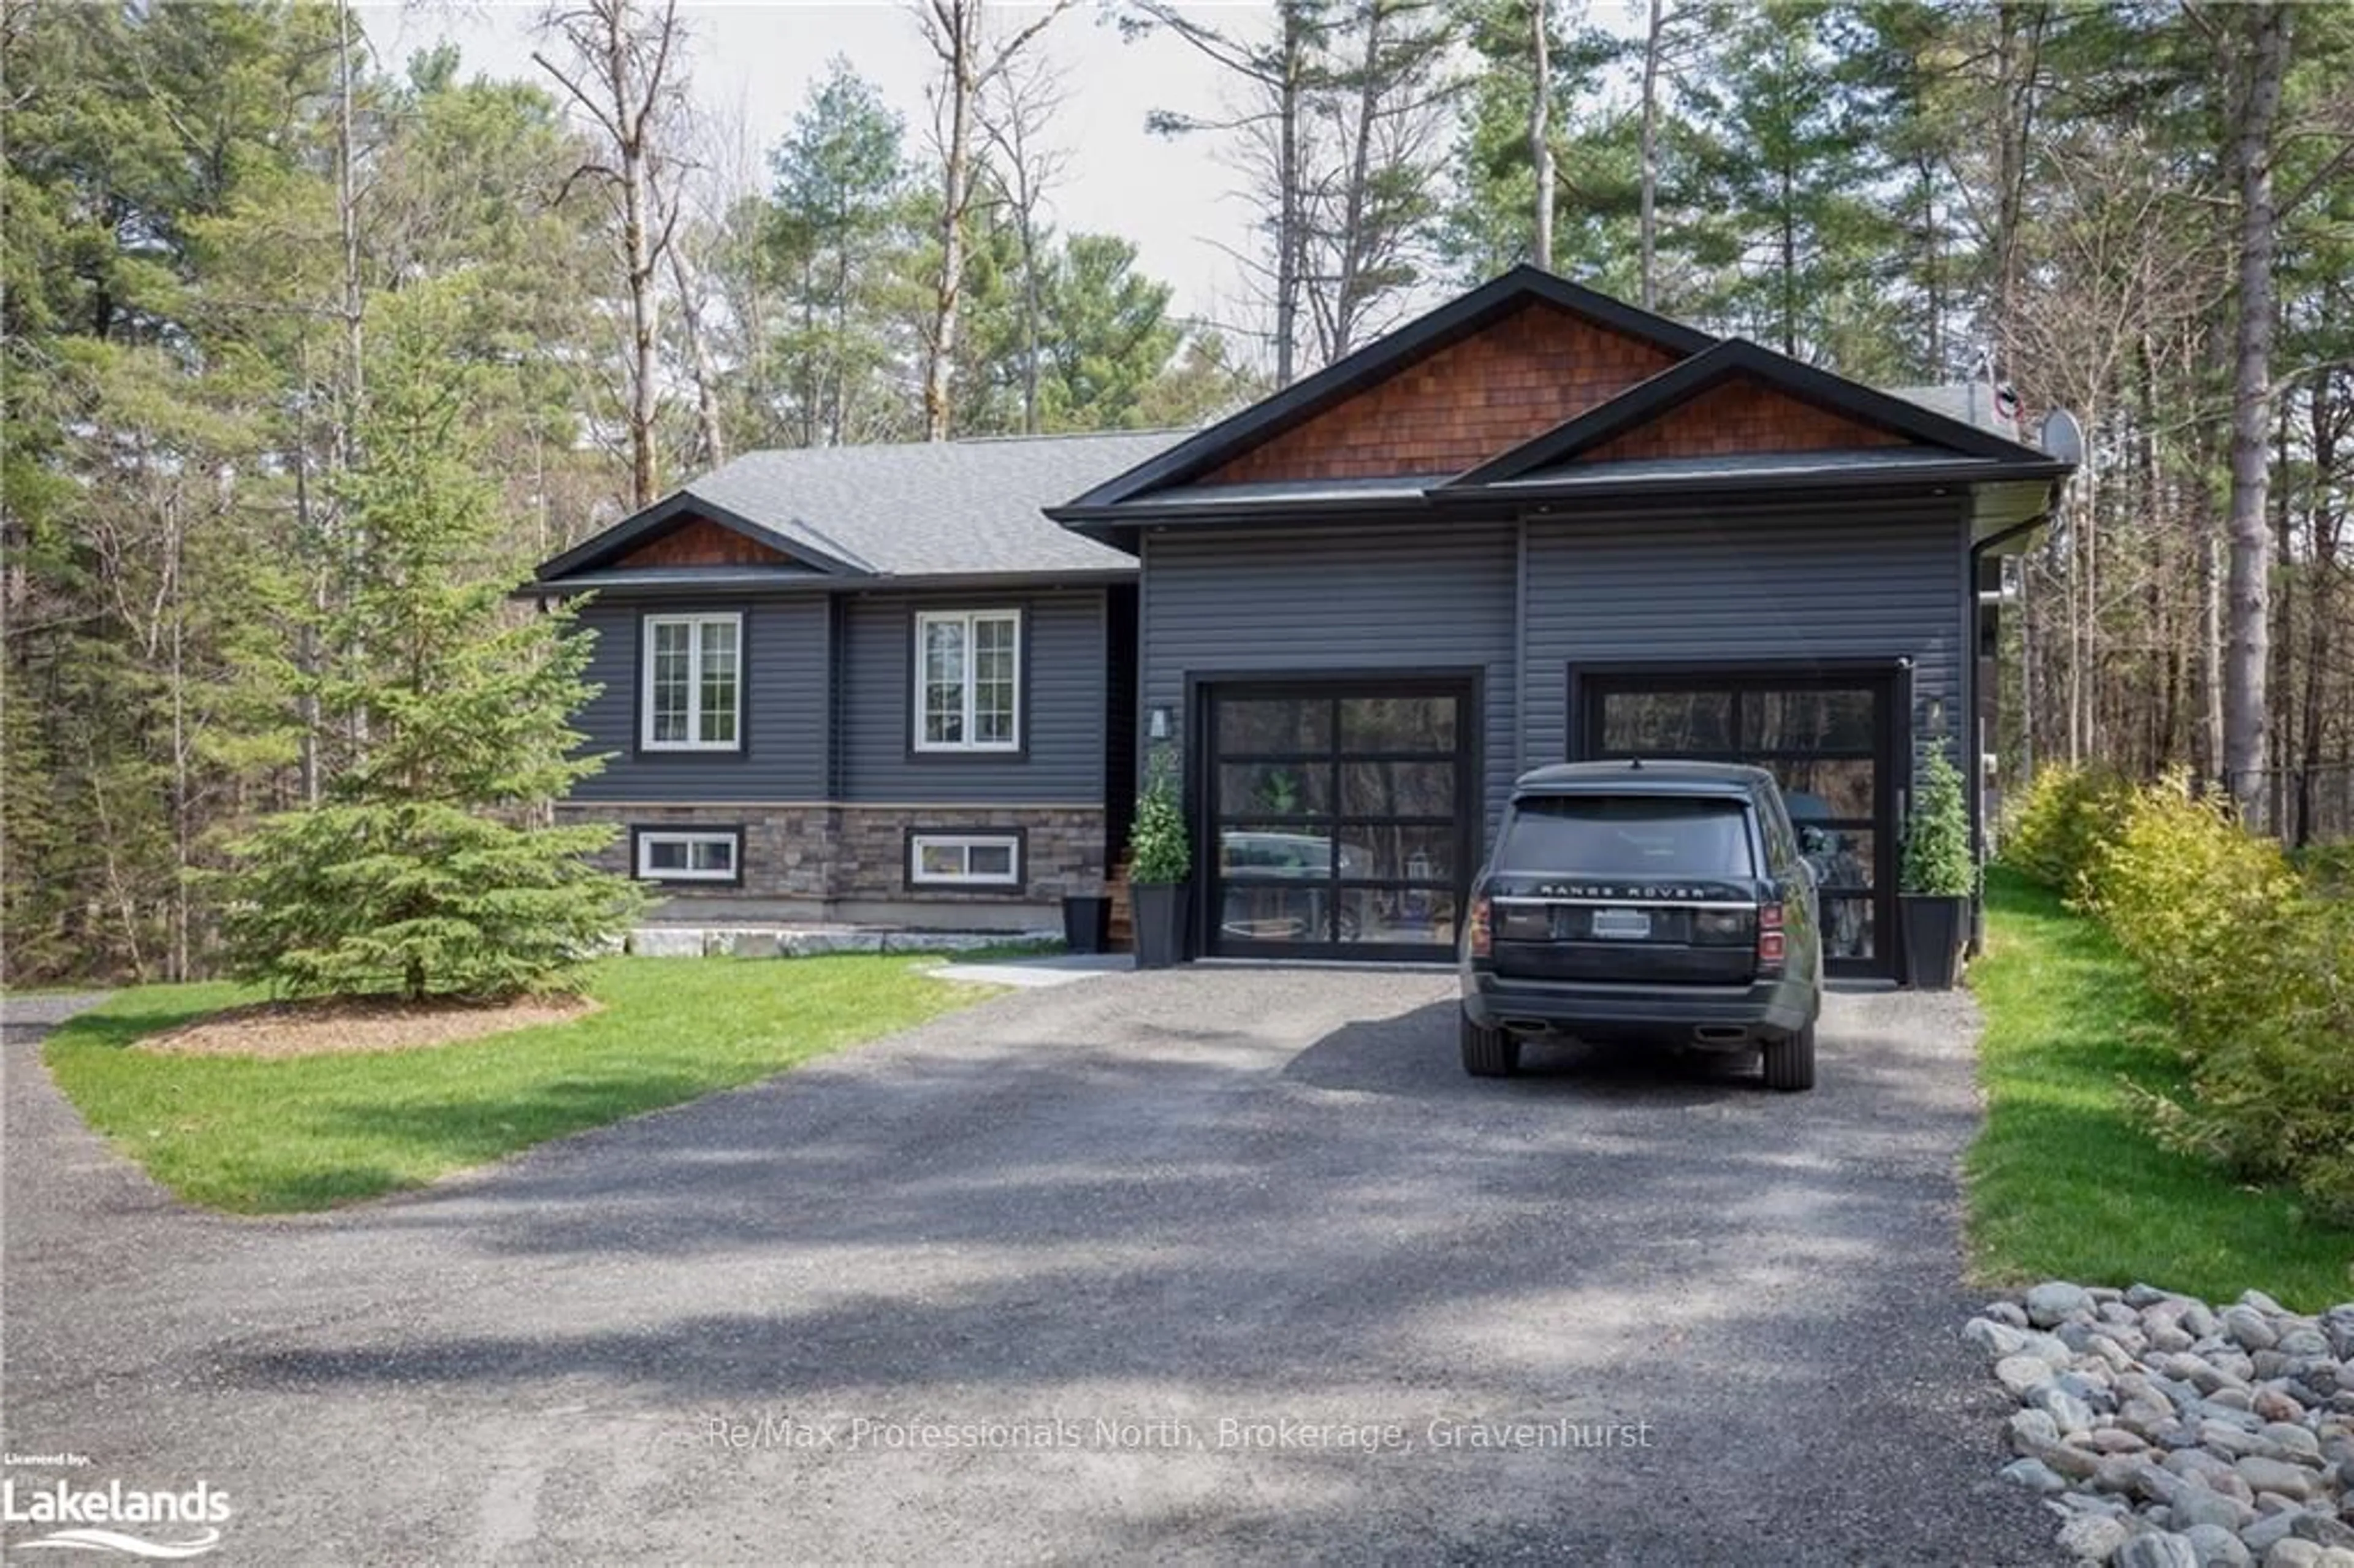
(430, 867)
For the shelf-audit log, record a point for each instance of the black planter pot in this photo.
(1159, 924)
(1087, 922)
(1935, 924)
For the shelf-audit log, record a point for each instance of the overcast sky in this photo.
(1170, 197)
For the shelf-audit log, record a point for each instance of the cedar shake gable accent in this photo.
(1524, 374)
(1741, 414)
(695, 541)
(1425, 406)
(1738, 399)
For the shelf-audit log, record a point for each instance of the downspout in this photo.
(1973, 755)
(1519, 650)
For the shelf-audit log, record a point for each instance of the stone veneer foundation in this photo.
(851, 860)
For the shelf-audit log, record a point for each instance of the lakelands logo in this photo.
(92, 1517)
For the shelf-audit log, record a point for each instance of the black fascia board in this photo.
(1119, 524)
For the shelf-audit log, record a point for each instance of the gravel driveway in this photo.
(1230, 1216)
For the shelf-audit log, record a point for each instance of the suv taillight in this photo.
(1483, 936)
(1771, 947)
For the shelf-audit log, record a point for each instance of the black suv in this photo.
(1653, 903)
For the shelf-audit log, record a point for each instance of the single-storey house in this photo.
(915, 683)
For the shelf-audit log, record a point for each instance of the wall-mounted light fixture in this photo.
(1157, 723)
(1934, 715)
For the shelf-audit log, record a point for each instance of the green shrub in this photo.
(1159, 853)
(2059, 830)
(1937, 859)
(2200, 903)
(2251, 959)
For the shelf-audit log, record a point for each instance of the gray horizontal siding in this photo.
(784, 717)
(1063, 704)
(1408, 599)
(1731, 590)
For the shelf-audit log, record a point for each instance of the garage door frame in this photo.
(1466, 683)
(1890, 679)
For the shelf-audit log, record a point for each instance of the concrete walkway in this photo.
(1129, 1268)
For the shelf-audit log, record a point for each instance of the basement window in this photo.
(699, 854)
(964, 860)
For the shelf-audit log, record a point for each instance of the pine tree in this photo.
(428, 868)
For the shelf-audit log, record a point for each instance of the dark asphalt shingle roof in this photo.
(942, 508)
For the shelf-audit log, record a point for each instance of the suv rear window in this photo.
(1613, 836)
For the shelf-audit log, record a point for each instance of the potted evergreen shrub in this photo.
(1937, 877)
(1159, 861)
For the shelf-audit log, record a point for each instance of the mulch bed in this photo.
(334, 1026)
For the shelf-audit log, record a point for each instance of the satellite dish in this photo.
(2061, 436)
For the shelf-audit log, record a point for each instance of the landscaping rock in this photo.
(2033, 1430)
(2249, 1329)
(2297, 1440)
(666, 942)
(2093, 1537)
(2158, 1549)
(2277, 1475)
(2055, 1301)
(2072, 1414)
(2023, 1375)
(2322, 1531)
(2260, 1537)
(2194, 1504)
(2217, 1547)
(2167, 1434)
(1996, 1338)
(2036, 1476)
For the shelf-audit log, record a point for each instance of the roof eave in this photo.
(1122, 520)
(1005, 582)
(1966, 474)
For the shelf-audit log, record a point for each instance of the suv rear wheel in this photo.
(1790, 1061)
(1489, 1052)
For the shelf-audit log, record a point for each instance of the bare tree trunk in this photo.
(709, 433)
(1539, 132)
(1346, 302)
(2020, 50)
(958, 19)
(347, 218)
(953, 29)
(626, 60)
(183, 849)
(2245, 715)
(2211, 655)
(1290, 239)
(639, 250)
(2280, 679)
(1014, 119)
(347, 453)
(1654, 40)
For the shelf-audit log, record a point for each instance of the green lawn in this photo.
(2063, 1182)
(264, 1137)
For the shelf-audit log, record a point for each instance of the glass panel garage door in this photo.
(1341, 817)
(1828, 741)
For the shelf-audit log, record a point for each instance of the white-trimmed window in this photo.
(964, 860)
(690, 855)
(693, 683)
(968, 680)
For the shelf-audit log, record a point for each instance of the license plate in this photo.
(1621, 924)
